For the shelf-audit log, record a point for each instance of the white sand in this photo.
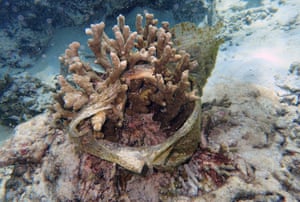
(268, 51)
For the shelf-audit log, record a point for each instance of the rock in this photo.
(281, 123)
(290, 84)
(22, 97)
(295, 68)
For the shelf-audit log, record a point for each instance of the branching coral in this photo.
(146, 91)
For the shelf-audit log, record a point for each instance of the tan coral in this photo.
(144, 76)
(98, 120)
(72, 97)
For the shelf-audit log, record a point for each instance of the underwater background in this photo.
(261, 47)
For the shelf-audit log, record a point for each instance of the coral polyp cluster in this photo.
(143, 74)
(142, 97)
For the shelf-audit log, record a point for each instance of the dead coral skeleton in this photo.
(144, 74)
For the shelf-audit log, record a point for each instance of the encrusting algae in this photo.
(145, 109)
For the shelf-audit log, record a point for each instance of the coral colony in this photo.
(145, 95)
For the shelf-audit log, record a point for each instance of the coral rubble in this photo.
(145, 95)
(290, 85)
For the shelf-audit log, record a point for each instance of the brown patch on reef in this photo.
(206, 171)
(97, 179)
(142, 130)
(206, 165)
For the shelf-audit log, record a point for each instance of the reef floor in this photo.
(250, 151)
